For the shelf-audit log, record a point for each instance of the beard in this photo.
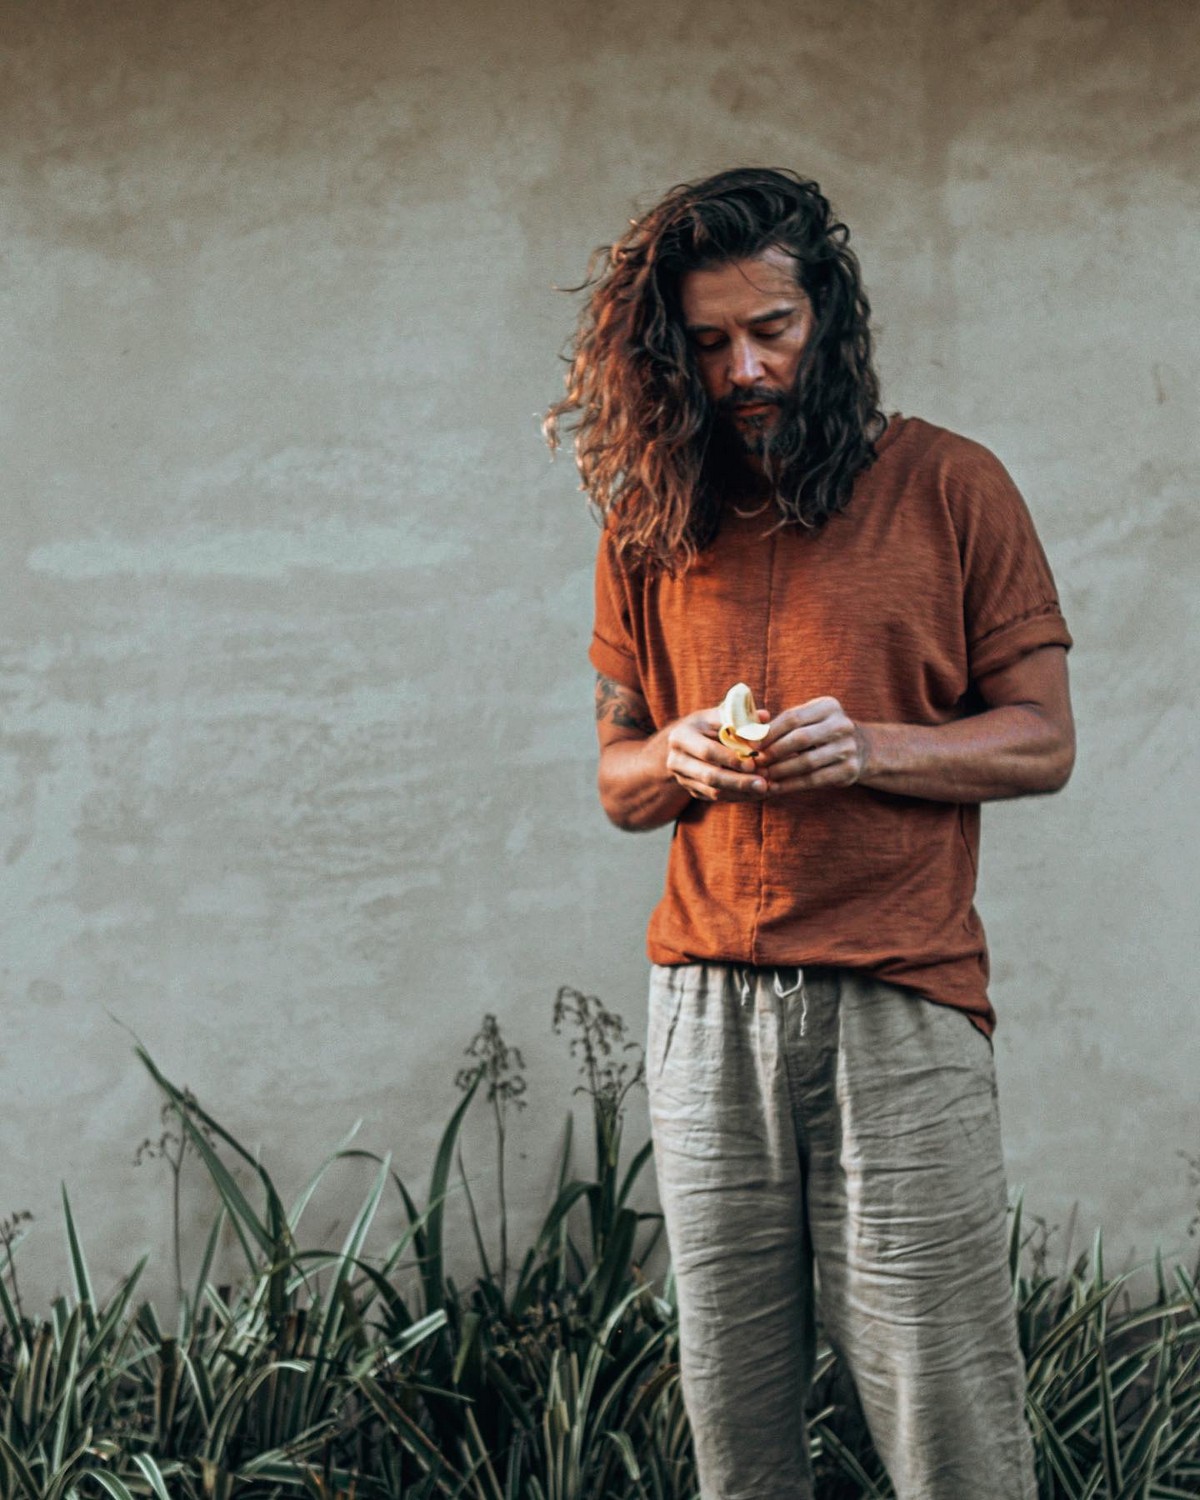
(758, 446)
(799, 458)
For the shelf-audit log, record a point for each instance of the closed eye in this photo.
(709, 342)
(770, 326)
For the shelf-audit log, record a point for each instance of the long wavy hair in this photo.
(643, 423)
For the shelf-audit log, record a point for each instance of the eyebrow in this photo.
(768, 317)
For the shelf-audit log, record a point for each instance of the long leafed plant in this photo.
(365, 1371)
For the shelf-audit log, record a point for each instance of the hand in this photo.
(815, 745)
(707, 769)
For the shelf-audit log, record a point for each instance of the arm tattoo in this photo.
(622, 706)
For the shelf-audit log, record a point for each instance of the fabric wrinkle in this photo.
(799, 879)
(843, 1161)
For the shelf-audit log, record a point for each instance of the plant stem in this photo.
(176, 1227)
(500, 1138)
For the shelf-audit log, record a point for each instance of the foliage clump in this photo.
(369, 1375)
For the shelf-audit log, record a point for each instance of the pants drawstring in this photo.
(782, 992)
(779, 989)
(785, 993)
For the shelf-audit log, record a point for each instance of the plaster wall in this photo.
(296, 754)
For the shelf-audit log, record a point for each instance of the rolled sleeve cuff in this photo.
(612, 662)
(1009, 642)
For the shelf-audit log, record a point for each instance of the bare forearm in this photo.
(1010, 751)
(636, 790)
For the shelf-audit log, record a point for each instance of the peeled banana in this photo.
(740, 729)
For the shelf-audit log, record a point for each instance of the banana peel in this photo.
(740, 729)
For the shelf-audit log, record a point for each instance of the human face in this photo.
(748, 322)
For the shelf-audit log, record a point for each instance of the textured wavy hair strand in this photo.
(641, 419)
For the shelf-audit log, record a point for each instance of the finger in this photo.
(801, 741)
(703, 793)
(708, 723)
(711, 751)
(827, 777)
(836, 752)
(727, 785)
(805, 715)
(714, 784)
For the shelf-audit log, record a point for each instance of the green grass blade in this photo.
(280, 1467)
(613, 1271)
(850, 1465)
(628, 1456)
(433, 1267)
(1014, 1237)
(188, 1107)
(468, 1345)
(1098, 1259)
(153, 1475)
(210, 1251)
(100, 1346)
(337, 1154)
(404, 1429)
(108, 1482)
(509, 1393)
(1090, 1310)
(335, 1309)
(480, 1248)
(19, 1469)
(631, 1176)
(422, 1329)
(1191, 1288)
(66, 1392)
(568, 1197)
(79, 1270)
(241, 1213)
(6, 1304)
(147, 1321)
(399, 1316)
(1057, 1453)
(206, 1398)
(237, 1398)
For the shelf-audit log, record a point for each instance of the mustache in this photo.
(754, 396)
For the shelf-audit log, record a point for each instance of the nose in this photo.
(745, 364)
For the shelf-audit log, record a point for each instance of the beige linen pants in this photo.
(824, 1134)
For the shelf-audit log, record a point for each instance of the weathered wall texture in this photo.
(295, 749)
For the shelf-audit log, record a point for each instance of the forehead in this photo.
(739, 289)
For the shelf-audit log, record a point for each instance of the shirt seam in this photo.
(756, 925)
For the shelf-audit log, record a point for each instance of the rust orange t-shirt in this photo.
(932, 578)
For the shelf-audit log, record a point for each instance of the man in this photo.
(822, 1091)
